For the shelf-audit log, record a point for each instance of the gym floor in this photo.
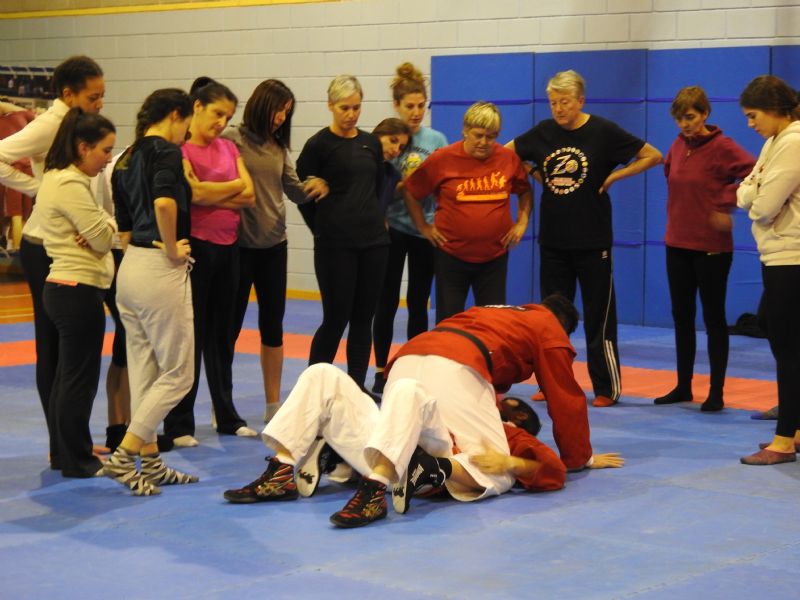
(682, 519)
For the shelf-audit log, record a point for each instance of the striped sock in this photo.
(121, 467)
(157, 472)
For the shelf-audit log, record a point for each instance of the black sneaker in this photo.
(422, 471)
(380, 382)
(275, 484)
(368, 504)
(311, 467)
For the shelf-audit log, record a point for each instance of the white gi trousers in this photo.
(324, 402)
(428, 398)
(154, 298)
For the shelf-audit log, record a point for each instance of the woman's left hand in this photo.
(514, 235)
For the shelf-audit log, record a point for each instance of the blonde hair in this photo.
(344, 86)
(408, 80)
(484, 115)
(567, 82)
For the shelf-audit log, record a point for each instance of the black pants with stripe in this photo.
(560, 271)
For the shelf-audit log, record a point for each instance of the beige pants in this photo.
(155, 304)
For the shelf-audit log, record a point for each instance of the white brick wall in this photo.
(711, 25)
(307, 44)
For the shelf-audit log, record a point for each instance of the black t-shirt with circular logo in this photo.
(573, 165)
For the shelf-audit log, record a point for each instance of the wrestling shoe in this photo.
(275, 484)
(423, 470)
(310, 468)
(368, 504)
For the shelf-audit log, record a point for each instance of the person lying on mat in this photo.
(440, 395)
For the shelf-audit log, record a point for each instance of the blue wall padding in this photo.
(722, 72)
(611, 74)
(633, 88)
(786, 64)
(494, 77)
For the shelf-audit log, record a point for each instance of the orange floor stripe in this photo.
(749, 394)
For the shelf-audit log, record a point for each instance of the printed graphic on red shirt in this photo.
(482, 189)
(565, 170)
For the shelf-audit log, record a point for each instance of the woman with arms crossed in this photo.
(771, 195)
(77, 236)
(221, 187)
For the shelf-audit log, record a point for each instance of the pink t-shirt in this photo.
(215, 162)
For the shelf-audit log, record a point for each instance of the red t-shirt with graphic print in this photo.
(473, 198)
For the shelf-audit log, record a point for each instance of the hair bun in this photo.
(201, 82)
(409, 71)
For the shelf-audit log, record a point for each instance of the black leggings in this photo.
(350, 281)
(266, 269)
(77, 312)
(455, 278)
(690, 271)
(420, 276)
(781, 291)
(214, 279)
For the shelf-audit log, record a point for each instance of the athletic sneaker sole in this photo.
(309, 470)
(401, 494)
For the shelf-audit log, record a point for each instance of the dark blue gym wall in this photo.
(634, 88)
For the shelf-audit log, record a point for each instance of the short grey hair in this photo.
(484, 115)
(344, 86)
(567, 82)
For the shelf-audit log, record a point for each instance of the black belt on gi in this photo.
(487, 356)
